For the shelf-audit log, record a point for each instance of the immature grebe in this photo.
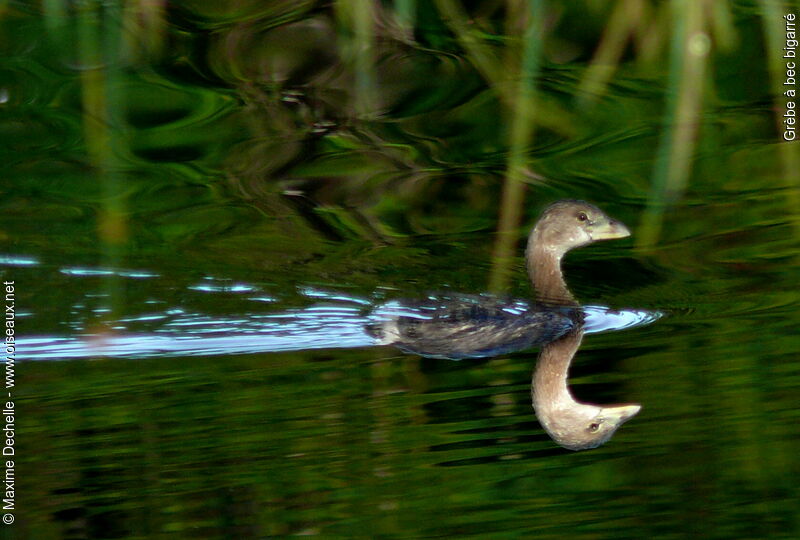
(483, 325)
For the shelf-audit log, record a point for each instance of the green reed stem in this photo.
(478, 52)
(55, 15)
(624, 20)
(357, 42)
(522, 130)
(406, 12)
(690, 48)
(144, 27)
(496, 73)
(99, 33)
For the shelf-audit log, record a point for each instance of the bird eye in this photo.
(594, 426)
(582, 216)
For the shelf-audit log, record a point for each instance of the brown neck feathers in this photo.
(549, 387)
(544, 269)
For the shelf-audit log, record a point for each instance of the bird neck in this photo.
(549, 386)
(544, 269)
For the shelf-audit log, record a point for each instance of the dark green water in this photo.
(215, 170)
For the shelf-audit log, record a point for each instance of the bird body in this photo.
(471, 326)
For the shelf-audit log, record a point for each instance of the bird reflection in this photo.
(570, 423)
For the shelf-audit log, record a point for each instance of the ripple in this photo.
(89, 272)
(18, 260)
(604, 319)
(335, 320)
(194, 334)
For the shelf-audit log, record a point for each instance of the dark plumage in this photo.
(470, 326)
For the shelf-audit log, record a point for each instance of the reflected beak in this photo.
(610, 230)
(622, 413)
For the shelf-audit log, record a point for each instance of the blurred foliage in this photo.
(367, 113)
(369, 145)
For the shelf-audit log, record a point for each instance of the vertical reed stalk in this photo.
(55, 14)
(690, 48)
(480, 55)
(522, 129)
(99, 45)
(357, 42)
(406, 12)
(622, 24)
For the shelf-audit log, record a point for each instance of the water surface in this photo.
(236, 185)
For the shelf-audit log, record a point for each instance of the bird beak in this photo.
(610, 230)
(621, 413)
